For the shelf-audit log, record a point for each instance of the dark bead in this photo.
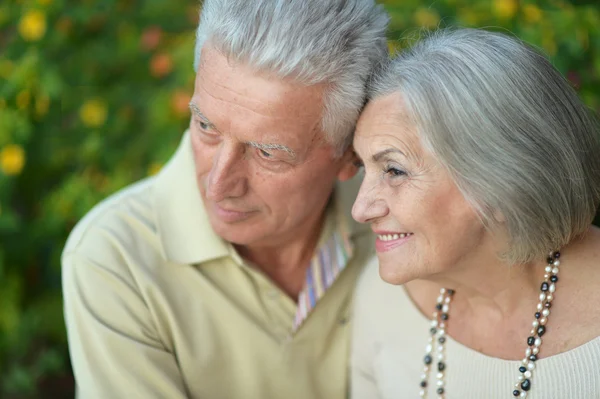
(428, 359)
(516, 393)
(538, 315)
(440, 391)
(545, 286)
(530, 341)
(450, 292)
(522, 369)
(442, 340)
(548, 305)
(550, 260)
(526, 385)
(533, 358)
(444, 316)
(554, 279)
(557, 254)
(438, 306)
(441, 366)
(423, 384)
(541, 331)
(433, 330)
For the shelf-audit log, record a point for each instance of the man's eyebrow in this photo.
(385, 152)
(268, 146)
(194, 108)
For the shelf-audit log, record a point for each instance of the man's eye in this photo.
(203, 125)
(264, 154)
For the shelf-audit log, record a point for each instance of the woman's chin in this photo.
(393, 273)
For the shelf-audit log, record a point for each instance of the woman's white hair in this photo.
(509, 128)
(335, 42)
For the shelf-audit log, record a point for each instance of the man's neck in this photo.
(286, 261)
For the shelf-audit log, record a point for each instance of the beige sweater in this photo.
(389, 340)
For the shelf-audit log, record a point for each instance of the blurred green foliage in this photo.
(93, 96)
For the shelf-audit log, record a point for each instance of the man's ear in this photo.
(349, 162)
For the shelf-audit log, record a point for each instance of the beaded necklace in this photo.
(437, 340)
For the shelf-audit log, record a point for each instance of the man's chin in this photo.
(236, 234)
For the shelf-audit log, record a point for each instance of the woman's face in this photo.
(424, 225)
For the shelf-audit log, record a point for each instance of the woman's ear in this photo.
(350, 165)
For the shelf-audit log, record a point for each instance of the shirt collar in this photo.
(183, 225)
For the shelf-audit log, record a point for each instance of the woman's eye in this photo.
(394, 172)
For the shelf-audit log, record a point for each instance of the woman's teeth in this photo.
(392, 237)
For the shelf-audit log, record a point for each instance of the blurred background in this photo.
(93, 96)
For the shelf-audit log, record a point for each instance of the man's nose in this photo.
(369, 204)
(227, 178)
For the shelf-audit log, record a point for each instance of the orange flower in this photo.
(179, 103)
(151, 38)
(161, 65)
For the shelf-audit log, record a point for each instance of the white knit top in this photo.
(389, 339)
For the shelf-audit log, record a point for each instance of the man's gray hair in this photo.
(335, 42)
(509, 128)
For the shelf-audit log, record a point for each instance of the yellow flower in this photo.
(6, 69)
(32, 26)
(427, 18)
(23, 99)
(506, 9)
(12, 159)
(93, 113)
(392, 46)
(532, 13)
(154, 169)
(42, 103)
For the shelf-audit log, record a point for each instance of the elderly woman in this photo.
(482, 178)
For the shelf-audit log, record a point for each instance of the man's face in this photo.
(263, 168)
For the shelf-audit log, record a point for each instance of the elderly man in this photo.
(229, 275)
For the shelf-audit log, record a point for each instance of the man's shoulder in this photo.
(126, 218)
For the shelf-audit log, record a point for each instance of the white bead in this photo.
(549, 298)
(442, 291)
(525, 361)
(532, 332)
(546, 276)
(555, 270)
(542, 297)
(422, 393)
(445, 308)
(439, 383)
(538, 341)
(440, 356)
(447, 300)
(543, 321)
(442, 325)
(520, 377)
(535, 350)
(423, 376)
(428, 348)
(435, 315)
(552, 288)
(540, 306)
(527, 374)
(546, 312)
(440, 299)
(535, 323)
(531, 365)
(430, 339)
(548, 269)
(523, 394)
(528, 352)
(434, 323)
(556, 263)
(440, 376)
(425, 369)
